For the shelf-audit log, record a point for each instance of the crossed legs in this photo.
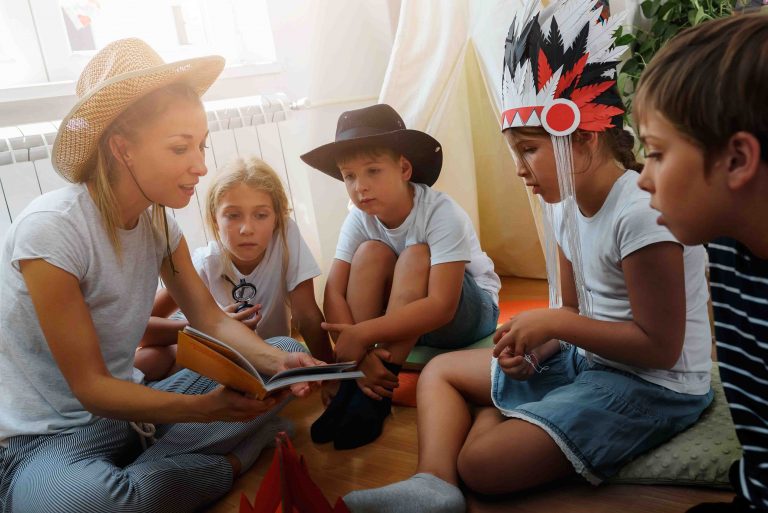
(488, 453)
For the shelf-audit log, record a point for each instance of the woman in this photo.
(77, 281)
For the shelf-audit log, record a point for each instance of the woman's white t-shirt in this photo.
(65, 229)
(271, 287)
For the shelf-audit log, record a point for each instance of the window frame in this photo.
(55, 49)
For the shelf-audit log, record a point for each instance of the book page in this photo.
(284, 381)
(309, 371)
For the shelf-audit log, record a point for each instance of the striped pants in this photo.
(101, 467)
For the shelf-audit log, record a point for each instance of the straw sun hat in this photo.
(118, 75)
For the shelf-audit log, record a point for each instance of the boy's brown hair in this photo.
(368, 151)
(710, 82)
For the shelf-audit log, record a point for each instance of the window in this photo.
(45, 41)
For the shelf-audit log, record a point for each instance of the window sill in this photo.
(67, 88)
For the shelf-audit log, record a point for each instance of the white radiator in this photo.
(257, 125)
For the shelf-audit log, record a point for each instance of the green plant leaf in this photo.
(672, 31)
(631, 66)
(649, 8)
(700, 16)
(667, 10)
(666, 19)
(648, 48)
(658, 28)
(626, 39)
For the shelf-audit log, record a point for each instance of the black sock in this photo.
(364, 419)
(324, 428)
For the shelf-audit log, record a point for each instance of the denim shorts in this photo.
(600, 417)
(475, 318)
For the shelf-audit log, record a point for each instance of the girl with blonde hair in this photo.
(258, 267)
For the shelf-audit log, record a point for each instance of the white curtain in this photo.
(347, 45)
(444, 77)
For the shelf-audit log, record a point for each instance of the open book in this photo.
(223, 363)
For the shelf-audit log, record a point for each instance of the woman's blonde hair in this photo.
(102, 176)
(258, 175)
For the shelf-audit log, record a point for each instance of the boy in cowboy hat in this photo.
(408, 268)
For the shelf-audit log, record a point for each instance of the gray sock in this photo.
(248, 450)
(422, 493)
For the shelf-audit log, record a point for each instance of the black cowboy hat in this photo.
(379, 126)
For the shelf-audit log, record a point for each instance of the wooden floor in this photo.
(393, 457)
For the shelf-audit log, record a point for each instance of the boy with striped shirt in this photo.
(702, 112)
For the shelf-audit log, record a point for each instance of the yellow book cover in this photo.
(221, 362)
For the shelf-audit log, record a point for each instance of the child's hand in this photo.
(350, 344)
(328, 390)
(524, 332)
(516, 367)
(250, 316)
(299, 359)
(378, 382)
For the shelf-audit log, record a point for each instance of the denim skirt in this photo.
(599, 416)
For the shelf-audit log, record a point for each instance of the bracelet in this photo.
(533, 360)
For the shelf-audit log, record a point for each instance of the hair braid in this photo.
(622, 145)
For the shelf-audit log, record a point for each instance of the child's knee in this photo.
(474, 467)
(411, 278)
(374, 252)
(471, 466)
(440, 369)
(417, 255)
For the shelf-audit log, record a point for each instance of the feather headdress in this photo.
(559, 68)
(559, 73)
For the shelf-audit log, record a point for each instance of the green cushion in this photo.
(420, 355)
(701, 455)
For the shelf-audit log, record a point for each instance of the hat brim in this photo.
(78, 136)
(421, 149)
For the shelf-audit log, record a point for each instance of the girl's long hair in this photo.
(258, 175)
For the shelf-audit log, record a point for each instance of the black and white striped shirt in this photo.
(739, 284)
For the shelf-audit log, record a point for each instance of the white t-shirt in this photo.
(624, 224)
(436, 220)
(64, 228)
(267, 277)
